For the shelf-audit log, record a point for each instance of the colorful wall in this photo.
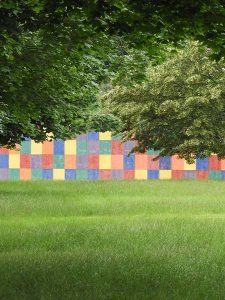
(101, 156)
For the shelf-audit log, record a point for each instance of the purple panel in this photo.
(190, 174)
(117, 174)
(82, 137)
(93, 147)
(3, 174)
(128, 146)
(82, 161)
(36, 161)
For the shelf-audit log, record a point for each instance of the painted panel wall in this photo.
(95, 156)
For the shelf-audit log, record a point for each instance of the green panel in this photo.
(153, 152)
(215, 175)
(117, 137)
(36, 173)
(14, 174)
(82, 147)
(105, 147)
(25, 147)
(59, 161)
(81, 174)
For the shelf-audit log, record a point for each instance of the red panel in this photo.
(202, 174)
(4, 151)
(128, 174)
(214, 163)
(47, 161)
(177, 174)
(153, 165)
(105, 174)
(117, 147)
(25, 161)
(93, 161)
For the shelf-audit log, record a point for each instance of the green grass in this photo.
(112, 240)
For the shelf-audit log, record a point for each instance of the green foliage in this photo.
(180, 109)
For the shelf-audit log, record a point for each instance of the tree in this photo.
(180, 109)
(54, 54)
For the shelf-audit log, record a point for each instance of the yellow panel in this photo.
(36, 148)
(105, 162)
(59, 174)
(70, 147)
(165, 174)
(105, 135)
(189, 166)
(141, 174)
(14, 161)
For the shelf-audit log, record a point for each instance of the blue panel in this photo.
(93, 147)
(82, 161)
(70, 174)
(93, 136)
(59, 147)
(129, 162)
(202, 163)
(128, 146)
(222, 174)
(93, 174)
(165, 163)
(47, 174)
(153, 174)
(117, 174)
(189, 174)
(4, 161)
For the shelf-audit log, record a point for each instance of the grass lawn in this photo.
(112, 240)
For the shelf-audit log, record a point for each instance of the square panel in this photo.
(59, 161)
(93, 147)
(105, 147)
(36, 174)
(222, 164)
(81, 174)
(202, 174)
(59, 174)
(117, 174)
(128, 146)
(129, 162)
(25, 174)
(93, 174)
(141, 161)
(105, 136)
(214, 163)
(14, 174)
(165, 174)
(190, 167)
(202, 164)
(4, 161)
(47, 174)
(165, 163)
(58, 147)
(153, 152)
(36, 161)
(25, 161)
(153, 164)
(104, 161)
(223, 175)
(117, 162)
(93, 136)
(117, 137)
(16, 150)
(14, 161)
(117, 147)
(82, 161)
(105, 174)
(214, 174)
(82, 137)
(177, 163)
(141, 174)
(36, 148)
(93, 161)
(4, 151)
(82, 147)
(70, 174)
(25, 147)
(47, 147)
(70, 161)
(47, 161)
(177, 174)
(189, 174)
(70, 147)
(128, 174)
(3, 174)
(153, 174)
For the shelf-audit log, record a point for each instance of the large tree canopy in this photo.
(54, 54)
(180, 109)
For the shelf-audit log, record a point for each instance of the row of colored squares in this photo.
(69, 174)
(118, 162)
